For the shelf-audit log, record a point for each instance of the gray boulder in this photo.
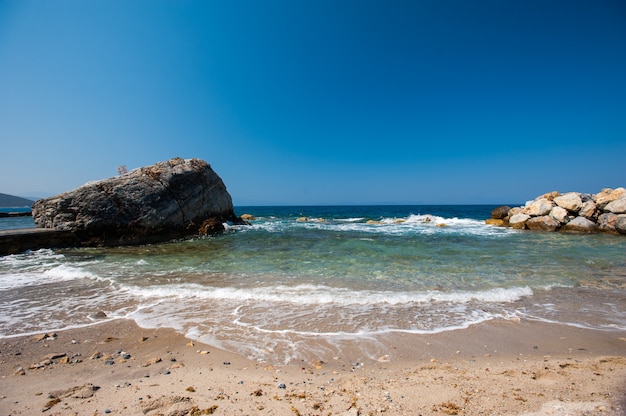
(167, 200)
(620, 224)
(606, 222)
(580, 225)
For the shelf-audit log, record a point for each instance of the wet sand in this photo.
(496, 368)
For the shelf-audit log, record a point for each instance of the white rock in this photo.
(560, 214)
(571, 201)
(618, 206)
(539, 208)
(519, 220)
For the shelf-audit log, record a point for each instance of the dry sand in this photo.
(497, 368)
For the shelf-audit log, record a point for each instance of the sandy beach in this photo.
(496, 368)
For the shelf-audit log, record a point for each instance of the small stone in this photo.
(55, 356)
(167, 372)
(152, 361)
(282, 386)
(109, 362)
(99, 315)
(107, 411)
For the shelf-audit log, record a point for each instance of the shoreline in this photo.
(498, 367)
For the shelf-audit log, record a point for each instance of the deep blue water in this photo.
(17, 222)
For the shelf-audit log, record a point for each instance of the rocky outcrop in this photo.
(167, 200)
(570, 212)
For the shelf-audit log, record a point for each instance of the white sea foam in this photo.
(311, 294)
(38, 258)
(413, 224)
(57, 274)
(359, 219)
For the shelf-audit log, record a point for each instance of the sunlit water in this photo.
(289, 288)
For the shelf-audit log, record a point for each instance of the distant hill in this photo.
(14, 201)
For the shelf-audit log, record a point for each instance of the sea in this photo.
(307, 282)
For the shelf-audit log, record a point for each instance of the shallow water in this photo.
(287, 288)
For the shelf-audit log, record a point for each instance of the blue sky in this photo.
(318, 102)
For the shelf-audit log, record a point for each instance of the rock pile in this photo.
(572, 212)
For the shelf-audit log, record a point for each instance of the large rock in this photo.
(560, 214)
(495, 221)
(571, 201)
(606, 222)
(543, 223)
(580, 225)
(588, 210)
(549, 196)
(519, 221)
(166, 200)
(499, 213)
(620, 224)
(607, 195)
(617, 206)
(539, 207)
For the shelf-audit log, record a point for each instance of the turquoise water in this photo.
(304, 281)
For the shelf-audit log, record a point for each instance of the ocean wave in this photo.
(37, 268)
(310, 294)
(412, 224)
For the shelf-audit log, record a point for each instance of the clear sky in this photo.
(318, 102)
